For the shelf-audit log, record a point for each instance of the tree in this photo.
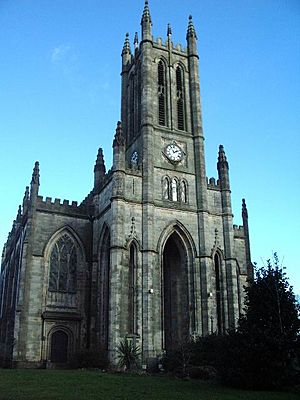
(262, 350)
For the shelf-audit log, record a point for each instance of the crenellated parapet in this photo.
(213, 184)
(60, 206)
(238, 232)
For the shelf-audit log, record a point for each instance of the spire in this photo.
(36, 174)
(126, 47)
(191, 33)
(146, 23)
(119, 137)
(244, 210)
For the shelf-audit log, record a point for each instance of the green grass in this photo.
(90, 385)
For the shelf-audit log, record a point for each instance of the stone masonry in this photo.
(151, 254)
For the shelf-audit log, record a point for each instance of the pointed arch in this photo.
(219, 289)
(180, 95)
(162, 92)
(63, 255)
(177, 253)
(166, 188)
(60, 340)
(183, 191)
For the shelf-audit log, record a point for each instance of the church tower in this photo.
(176, 264)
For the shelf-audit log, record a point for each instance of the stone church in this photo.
(151, 254)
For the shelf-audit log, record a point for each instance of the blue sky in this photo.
(60, 100)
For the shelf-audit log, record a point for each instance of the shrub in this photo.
(129, 354)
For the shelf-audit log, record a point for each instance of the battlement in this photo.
(177, 48)
(213, 184)
(238, 231)
(65, 207)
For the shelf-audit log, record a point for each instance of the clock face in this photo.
(174, 152)
(134, 158)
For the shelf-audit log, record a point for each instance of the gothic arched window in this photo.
(63, 264)
(180, 99)
(217, 264)
(183, 192)
(174, 189)
(161, 94)
(166, 188)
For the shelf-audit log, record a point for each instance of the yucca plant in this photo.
(129, 354)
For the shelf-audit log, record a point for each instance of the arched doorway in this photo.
(59, 347)
(175, 293)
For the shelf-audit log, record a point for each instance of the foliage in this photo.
(262, 352)
(89, 358)
(129, 354)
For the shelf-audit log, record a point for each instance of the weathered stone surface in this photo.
(157, 256)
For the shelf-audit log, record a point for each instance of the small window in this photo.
(166, 188)
(174, 189)
(183, 192)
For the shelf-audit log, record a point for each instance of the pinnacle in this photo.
(191, 32)
(146, 13)
(119, 136)
(126, 47)
(169, 30)
(222, 155)
(244, 209)
(36, 174)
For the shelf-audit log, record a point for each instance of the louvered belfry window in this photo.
(63, 264)
(180, 99)
(161, 94)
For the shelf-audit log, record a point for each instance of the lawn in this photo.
(91, 385)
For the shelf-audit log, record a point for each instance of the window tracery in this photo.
(63, 265)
